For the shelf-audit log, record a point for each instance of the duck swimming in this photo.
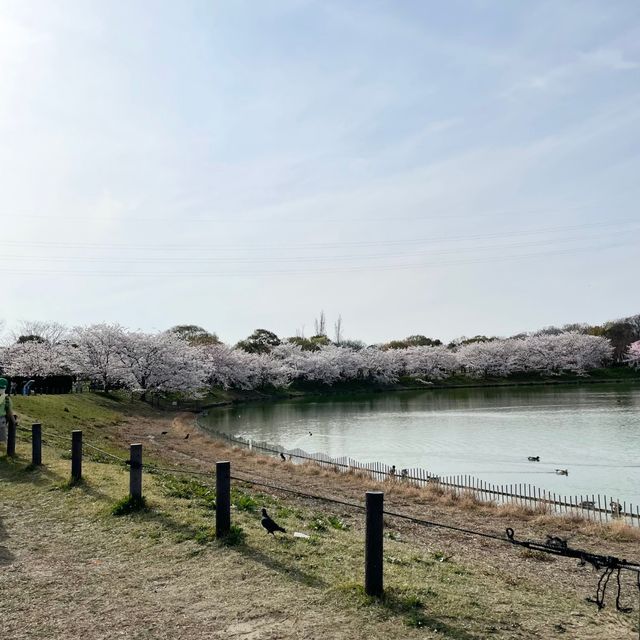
(533, 458)
(562, 472)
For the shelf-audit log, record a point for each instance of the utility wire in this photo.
(320, 271)
(208, 259)
(309, 245)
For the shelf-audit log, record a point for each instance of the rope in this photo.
(105, 453)
(153, 469)
(618, 607)
(553, 545)
(299, 493)
(440, 525)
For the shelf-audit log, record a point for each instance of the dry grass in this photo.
(617, 530)
(166, 572)
(160, 574)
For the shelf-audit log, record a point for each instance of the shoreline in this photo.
(242, 397)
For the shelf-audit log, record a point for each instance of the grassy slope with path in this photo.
(160, 574)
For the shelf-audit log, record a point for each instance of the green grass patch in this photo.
(320, 523)
(205, 535)
(189, 489)
(235, 537)
(244, 502)
(93, 413)
(129, 505)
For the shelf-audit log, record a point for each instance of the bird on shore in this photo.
(269, 524)
(533, 458)
(187, 436)
(310, 433)
(562, 472)
(282, 457)
(164, 433)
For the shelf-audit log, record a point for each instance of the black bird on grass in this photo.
(187, 436)
(269, 524)
(164, 433)
(282, 457)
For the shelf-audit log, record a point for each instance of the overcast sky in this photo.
(444, 168)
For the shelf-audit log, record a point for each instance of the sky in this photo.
(415, 167)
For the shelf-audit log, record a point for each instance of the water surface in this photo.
(591, 430)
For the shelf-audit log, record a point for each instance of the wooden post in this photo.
(374, 543)
(76, 456)
(223, 499)
(36, 444)
(135, 471)
(11, 438)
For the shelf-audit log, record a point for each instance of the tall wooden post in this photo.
(223, 499)
(135, 471)
(373, 582)
(36, 444)
(76, 456)
(11, 438)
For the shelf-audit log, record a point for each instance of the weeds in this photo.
(244, 502)
(396, 602)
(129, 505)
(235, 537)
(204, 535)
(188, 489)
(322, 523)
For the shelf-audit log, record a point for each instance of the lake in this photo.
(591, 430)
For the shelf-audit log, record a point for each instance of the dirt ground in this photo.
(69, 569)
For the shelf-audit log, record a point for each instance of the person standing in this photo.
(7, 419)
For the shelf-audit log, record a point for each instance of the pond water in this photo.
(591, 430)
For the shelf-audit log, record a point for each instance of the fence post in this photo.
(11, 438)
(373, 543)
(135, 471)
(76, 456)
(223, 499)
(36, 444)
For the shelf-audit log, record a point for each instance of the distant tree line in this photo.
(189, 359)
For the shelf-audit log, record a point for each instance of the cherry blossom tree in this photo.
(633, 355)
(94, 353)
(167, 361)
(160, 362)
(430, 363)
(34, 359)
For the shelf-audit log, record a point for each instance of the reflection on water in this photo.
(594, 431)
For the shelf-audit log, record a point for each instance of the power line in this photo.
(294, 259)
(346, 269)
(295, 206)
(172, 247)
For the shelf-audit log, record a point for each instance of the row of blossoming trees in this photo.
(111, 356)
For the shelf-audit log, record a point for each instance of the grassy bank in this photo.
(159, 573)
(96, 414)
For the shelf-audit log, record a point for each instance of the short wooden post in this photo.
(76, 456)
(135, 471)
(36, 444)
(11, 438)
(374, 543)
(223, 499)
